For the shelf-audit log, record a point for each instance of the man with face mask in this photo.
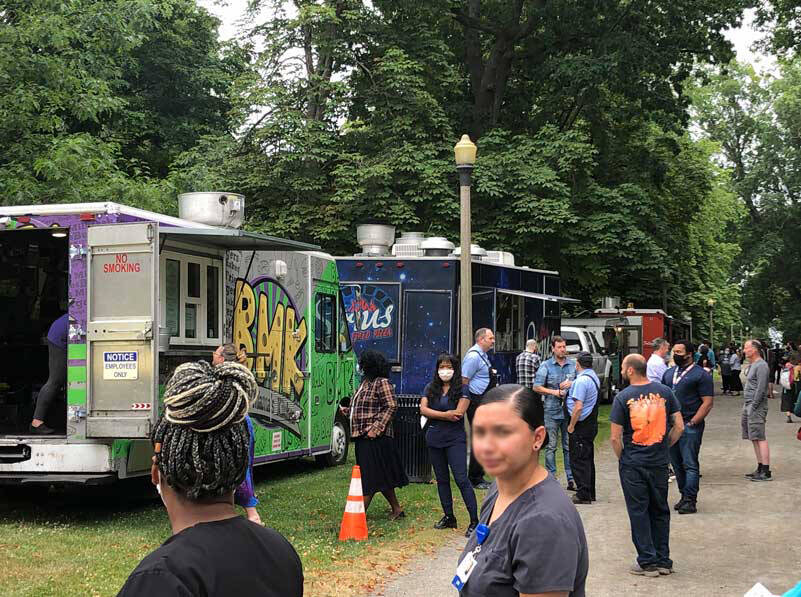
(695, 391)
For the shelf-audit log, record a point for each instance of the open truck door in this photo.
(122, 330)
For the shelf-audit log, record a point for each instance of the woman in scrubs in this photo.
(536, 544)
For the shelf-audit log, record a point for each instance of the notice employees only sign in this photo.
(121, 365)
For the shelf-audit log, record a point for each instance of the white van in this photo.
(582, 340)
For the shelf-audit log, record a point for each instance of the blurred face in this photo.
(217, 357)
(487, 342)
(663, 350)
(504, 444)
(560, 350)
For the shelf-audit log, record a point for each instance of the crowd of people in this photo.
(531, 529)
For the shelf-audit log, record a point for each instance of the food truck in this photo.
(144, 293)
(402, 299)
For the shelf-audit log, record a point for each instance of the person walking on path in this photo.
(755, 409)
(657, 364)
(536, 543)
(444, 406)
(371, 411)
(478, 377)
(641, 437)
(582, 408)
(553, 380)
(201, 457)
(725, 370)
(695, 392)
(735, 384)
(527, 364)
(788, 391)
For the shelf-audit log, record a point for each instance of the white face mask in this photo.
(445, 374)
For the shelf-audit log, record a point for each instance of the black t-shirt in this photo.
(645, 412)
(690, 386)
(231, 557)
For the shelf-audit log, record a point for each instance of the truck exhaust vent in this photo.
(408, 245)
(476, 252)
(436, 246)
(375, 239)
(215, 209)
(610, 302)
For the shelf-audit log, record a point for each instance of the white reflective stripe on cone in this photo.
(354, 507)
(355, 487)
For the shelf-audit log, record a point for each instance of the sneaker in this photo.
(754, 473)
(664, 571)
(577, 500)
(446, 522)
(762, 476)
(789, 419)
(41, 430)
(679, 504)
(571, 486)
(482, 485)
(647, 571)
(688, 507)
(470, 528)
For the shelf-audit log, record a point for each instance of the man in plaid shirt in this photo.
(528, 362)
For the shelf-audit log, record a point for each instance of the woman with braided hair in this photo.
(201, 457)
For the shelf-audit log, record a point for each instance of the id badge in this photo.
(464, 570)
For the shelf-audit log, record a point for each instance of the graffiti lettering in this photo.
(278, 341)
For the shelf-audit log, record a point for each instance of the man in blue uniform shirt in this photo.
(553, 380)
(582, 406)
(695, 392)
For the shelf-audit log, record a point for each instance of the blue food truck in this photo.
(402, 298)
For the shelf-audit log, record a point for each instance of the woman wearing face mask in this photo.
(536, 543)
(445, 407)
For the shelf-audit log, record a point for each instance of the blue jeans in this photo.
(645, 489)
(684, 457)
(554, 428)
(456, 457)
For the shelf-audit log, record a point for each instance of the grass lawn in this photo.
(87, 542)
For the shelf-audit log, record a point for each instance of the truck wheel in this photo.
(340, 440)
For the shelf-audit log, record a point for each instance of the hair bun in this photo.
(206, 398)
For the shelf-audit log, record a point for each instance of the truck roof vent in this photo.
(610, 302)
(375, 239)
(215, 208)
(437, 246)
(476, 252)
(500, 257)
(408, 245)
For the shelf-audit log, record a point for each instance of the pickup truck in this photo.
(582, 340)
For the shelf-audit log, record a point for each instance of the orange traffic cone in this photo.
(354, 521)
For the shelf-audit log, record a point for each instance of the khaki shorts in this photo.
(754, 426)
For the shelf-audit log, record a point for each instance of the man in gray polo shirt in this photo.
(755, 409)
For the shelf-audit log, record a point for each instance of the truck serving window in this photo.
(190, 294)
(509, 328)
(325, 323)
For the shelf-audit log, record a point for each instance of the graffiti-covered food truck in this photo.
(145, 292)
(402, 298)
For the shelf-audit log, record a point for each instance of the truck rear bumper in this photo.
(35, 457)
(63, 479)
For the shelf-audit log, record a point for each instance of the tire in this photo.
(340, 442)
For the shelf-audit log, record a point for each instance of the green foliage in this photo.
(755, 120)
(98, 97)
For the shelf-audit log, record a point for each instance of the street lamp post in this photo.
(711, 304)
(465, 151)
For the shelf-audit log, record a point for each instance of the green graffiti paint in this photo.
(76, 352)
(120, 448)
(76, 373)
(76, 396)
